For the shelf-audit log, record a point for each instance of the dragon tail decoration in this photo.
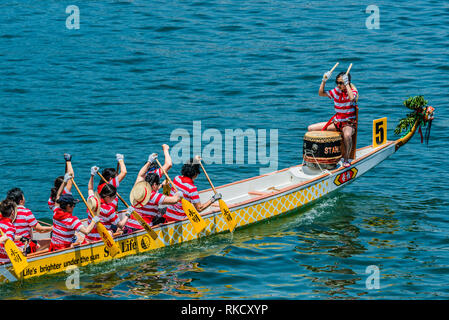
(421, 116)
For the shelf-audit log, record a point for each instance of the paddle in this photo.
(18, 261)
(139, 218)
(105, 235)
(223, 207)
(198, 223)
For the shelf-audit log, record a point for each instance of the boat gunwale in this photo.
(304, 183)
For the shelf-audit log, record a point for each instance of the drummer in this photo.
(345, 103)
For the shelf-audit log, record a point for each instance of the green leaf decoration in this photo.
(417, 104)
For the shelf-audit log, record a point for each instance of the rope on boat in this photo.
(310, 153)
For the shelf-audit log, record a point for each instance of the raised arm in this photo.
(321, 91)
(146, 166)
(90, 185)
(348, 87)
(67, 177)
(168, 162)
(121, 162)
(69, 169)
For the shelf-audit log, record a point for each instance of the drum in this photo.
(322, 149)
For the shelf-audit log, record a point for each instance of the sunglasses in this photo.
(339, 82)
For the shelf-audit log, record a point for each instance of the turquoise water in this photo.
(135, 71)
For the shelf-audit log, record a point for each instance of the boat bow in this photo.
(422, 117)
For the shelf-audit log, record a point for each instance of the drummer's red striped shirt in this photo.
(64, 227)
(148, 211)
(9, 229)
(25, 220)
(108, 217)
(344, 107)
(190, 193)
(51, 203)
(115, 182)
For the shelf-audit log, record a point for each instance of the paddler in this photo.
(185, 184)
(113, 177)
(24, 223)
(146, 199)
(8, 210)
(102, 205)
(152, 167)
(345, 104)
(65, 224)
(59, 180)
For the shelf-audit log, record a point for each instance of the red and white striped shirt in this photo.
(148, 211)
(157, 171)
(190, 193)
(115, 182)
(108, 217)
(64, 227)
(9, 229)
(25, 220)
(51, 203)
(344, 107)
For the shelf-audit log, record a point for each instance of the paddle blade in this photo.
(227, 215)
(198, 223)
(145, 225)
(18, 261)
(107, 239)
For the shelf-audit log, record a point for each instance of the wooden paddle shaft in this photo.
(124, 202)
(166, 175)
(44, 223)
(207, 176)
(82, 197)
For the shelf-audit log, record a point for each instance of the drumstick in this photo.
(350, 66)
(334, 67)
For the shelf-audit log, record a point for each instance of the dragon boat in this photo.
(250, 201)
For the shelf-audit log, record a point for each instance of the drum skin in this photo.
(323, 148)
